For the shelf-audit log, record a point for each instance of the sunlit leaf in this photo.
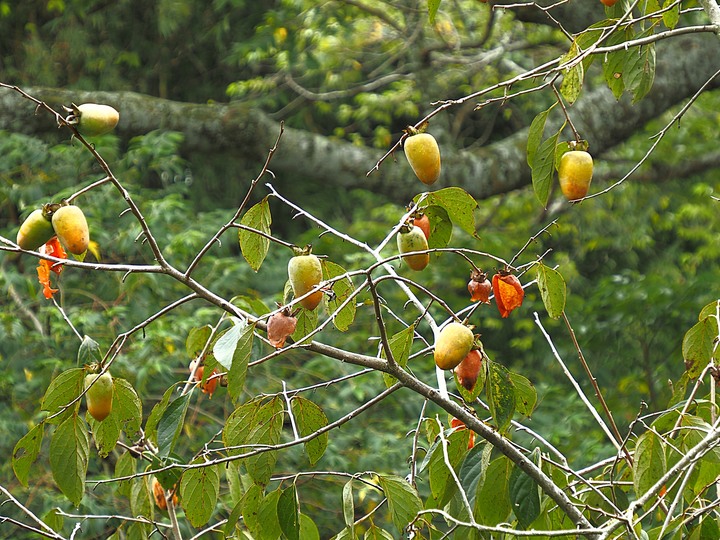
(403, 500)
(254, 246)
(199, 489)
(69, 451)
(552, 290)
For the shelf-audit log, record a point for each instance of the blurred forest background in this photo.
(345, 77)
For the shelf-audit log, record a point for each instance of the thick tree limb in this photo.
(684, 64)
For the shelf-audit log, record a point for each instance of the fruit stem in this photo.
(578, 138)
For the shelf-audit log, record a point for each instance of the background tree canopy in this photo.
(204, 90)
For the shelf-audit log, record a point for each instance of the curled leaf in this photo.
(54, 249)
(509, 293)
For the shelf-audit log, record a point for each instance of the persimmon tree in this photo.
(466, 475)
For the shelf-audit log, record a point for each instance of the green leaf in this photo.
(458, 203)
(543, 168)
(69, 450)
(376, 533)
(306, 322)
(403, 500)
(26, 452)
(125, 466)
(553, 290)
(308, 529)
(199, 489)
(535, 134)
(240, 361)
(572, 77)
(141, 501)
(524, 495)
(492, 502)
(442, 484)
(400, 346)
(232, 520)
(641, 71)
(255, 423)
(170, 425)
(310, 418)
(672, 16)
(649, 464)
(473, 469)
(525, 394)
(126, 415)
(197, 339)
(254, 247)
(697, 346)
(89, 352)
(348, 505)
(224, 347)
(54, 519)
(342, 289)
(433, 6)
(615, 64)
(440, 227)
(268, 517)
(157, 413)
(62, 390)
(709, 310)
(500, 395)
(288, 511)
(251, 506)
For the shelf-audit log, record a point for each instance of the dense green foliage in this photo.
(639, 261)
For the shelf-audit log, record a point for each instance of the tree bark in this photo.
(236, 130)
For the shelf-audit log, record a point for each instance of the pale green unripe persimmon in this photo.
(96, 119)
(35, 230)
(413, 240)
(305, 272)
(99, 396)
(452, 345)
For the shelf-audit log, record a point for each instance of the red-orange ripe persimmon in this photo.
(609, 3)
(210, 384)
(159, 495)
(468, 370)
(458, 424)
(479, 287)
(509, 293)
(423, 222)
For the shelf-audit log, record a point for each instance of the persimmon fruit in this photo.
(452, 345)
(411, 239)
(71, 228)
(468, 369)
(305, 273)
(422, 221)
(509, 293)
(35, 231)
(279, 326)
(95, 119)
(609, 3)
(99, 396)
(479, 287)
(423, 154)
(210, 384)
(575, 174)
